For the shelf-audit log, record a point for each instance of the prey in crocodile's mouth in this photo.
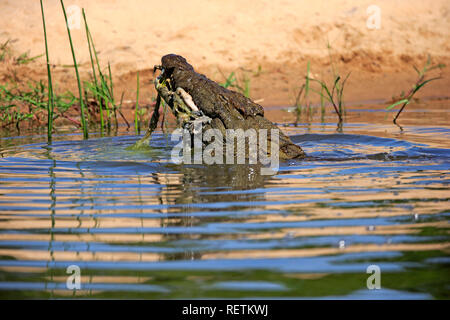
(179, 101)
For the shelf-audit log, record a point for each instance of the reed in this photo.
(102, 88)
(137, 125)
(337, 83)
(50, 103)
(94, 74)
(307, 102)
(82, 106)
(102, 91)
(322, 105)
(112, 94)
(14, 100)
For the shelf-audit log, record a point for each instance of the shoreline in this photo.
(268, 43)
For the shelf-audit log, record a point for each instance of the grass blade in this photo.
(308, 105)
(82, 111)
(137, 126)
(422, 84)
(94, 75)
(50, 103)
(397, 103)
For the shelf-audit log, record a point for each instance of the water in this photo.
(139, 226)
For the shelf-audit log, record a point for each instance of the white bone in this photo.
(187, 98)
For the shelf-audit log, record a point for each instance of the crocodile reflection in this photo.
(213, 184)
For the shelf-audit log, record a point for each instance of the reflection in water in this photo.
(189, 188)
(149, 228)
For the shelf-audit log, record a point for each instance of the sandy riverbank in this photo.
(276, 37)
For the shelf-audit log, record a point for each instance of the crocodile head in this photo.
(192, 96)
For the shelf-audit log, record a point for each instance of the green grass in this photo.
(111, 85)
(95, 98)
(335, 95)
(97, 104)
(24, 58)
(94, 74)
(35, 101)
(240, 84)
(4, 49)
(405, 99)
(101, 88)
(10, 113)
